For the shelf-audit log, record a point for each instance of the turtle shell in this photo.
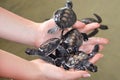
(49, 46)
(72, 39)
(64, 17)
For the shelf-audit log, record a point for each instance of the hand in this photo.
(51, 72)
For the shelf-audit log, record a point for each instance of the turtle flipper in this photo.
(53, 30)
(94, 51)
(34, 52)
(93, 33)
(85, 36)
(99, 19)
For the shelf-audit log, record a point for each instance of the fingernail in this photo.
(101, 56)
(86, 75)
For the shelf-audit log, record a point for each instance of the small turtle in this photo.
(45, 50)
(80, 60)
(73, 39)
(64, 18)
(91, 20)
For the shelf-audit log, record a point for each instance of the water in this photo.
(39, 10)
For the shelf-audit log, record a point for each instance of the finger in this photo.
(96, 40)
(79, 25)
(72, 75)
(89, 48)
(96, 58)
(90, 27)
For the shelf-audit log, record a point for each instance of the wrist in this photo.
(40, 35)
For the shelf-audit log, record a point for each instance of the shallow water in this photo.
(39, 10)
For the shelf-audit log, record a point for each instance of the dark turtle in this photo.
(80, 60)
(97, 20)
(64, 18)
(45, 50)
(73, 39)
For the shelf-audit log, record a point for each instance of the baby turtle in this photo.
(80, 60)
(64, 18)
(92, 20)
